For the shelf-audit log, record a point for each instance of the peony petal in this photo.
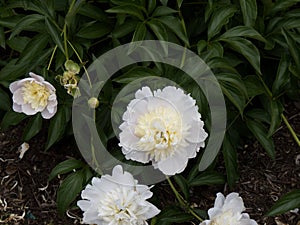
(26, 108)
(138, 156)
(214, 212)
(17, 108)
(18, 96)
(174, 164)
(196, 132)
(37, 77)
(219, 201)
(143, 93)
(46, 114)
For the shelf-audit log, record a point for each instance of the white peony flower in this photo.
(228, 211)
(116, 200)
(163, 127)
(33, 95)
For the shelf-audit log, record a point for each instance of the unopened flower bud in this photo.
(93, 103)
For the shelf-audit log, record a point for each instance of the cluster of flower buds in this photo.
(69, 79)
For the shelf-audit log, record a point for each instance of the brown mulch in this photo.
(27, 198)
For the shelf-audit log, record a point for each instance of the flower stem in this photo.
(184, 204)
(51, 58)
(290, 129)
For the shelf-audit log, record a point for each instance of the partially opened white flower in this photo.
(164, 127)
(228, 211)
(116, 200)
(33, 95)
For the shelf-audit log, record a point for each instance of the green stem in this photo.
(290, 129)
(51, 58)
(182, 201)
(65, 41)
(80, 60)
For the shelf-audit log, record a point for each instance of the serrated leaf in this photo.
(282, 75)
(249, 11)
(25, 22)
(128, 9)
(219, 18)
(247, 49)
(243, 31)
(33, 127)
(175, 25)
(11, 118)
(5, 100)
(52, 30)
(260, 132)
(207, 178)
(275, 111)
(163, 11)
(230, 159)
(68, 191)
(65, 167)
(287, 202)
(93, 30)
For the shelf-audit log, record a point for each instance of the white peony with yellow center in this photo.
(163, 127)
(228, 211)
(116, 200)
(33, 95)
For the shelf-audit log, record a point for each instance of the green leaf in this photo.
(33, 127)
(259, 115)
(93, 12)
(183, 185)
(275, 110)
(282, 76)
(151, 5)
(219, 18)
(68, 191)
(208, 178)
(140, 32)
(25, 22)
(11, 118)
(214, 49)
(249, 11)
(175, 25)
(201, 45)
(221, 63)
(11, 21)
(128, 9)
(247, 49)
(253, 86)
(243, 31)
(2, 37)
(179, 3)
(260, 132)
(65, 167)
(52, 30)
(73, 11)
(287, 202)
(124, 29)
(164, 2)
(5, 101)
(93, 30)
(18, 43)
(158, 29)
(57, 126)
(230, 159)
(163, 11)
(282, 5)
(134, 74)
(293, 47)
(34, 48)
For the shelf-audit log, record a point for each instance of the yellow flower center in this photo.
(226, 218)
(159, 131)
(35, 94)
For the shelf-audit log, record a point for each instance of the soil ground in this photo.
(27, 198)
